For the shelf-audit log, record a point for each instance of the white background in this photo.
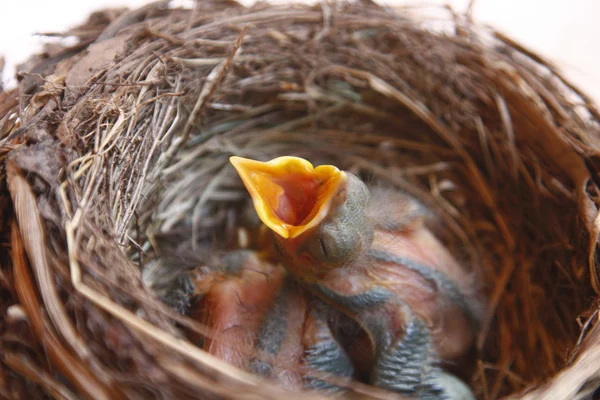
(564, 31)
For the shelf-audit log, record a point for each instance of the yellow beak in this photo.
(289, 194)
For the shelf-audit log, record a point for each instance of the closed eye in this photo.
(322, 244)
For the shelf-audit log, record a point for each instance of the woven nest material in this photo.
(115, 151)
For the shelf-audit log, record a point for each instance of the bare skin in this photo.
(263, 322)
(233, 303)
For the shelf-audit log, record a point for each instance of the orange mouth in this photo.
(289, 194)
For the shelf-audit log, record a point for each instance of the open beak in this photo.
(289, 194)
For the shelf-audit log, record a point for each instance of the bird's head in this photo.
(317, 213)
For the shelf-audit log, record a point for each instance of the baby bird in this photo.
(262, 321)
(370, 256)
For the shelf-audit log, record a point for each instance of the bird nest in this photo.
(115, 151)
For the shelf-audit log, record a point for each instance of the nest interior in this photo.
(115, 151)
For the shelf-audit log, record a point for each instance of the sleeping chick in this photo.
(262, 321)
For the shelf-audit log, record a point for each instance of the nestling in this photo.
(262, 321)
(369, 255)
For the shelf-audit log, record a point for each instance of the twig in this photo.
(210, 86)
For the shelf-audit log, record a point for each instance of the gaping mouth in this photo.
(290, 195)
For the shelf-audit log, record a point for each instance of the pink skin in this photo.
(234, 307)
(451, 329)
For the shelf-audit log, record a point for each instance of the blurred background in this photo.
(563, 31)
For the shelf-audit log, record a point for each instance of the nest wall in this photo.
(115, 150)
